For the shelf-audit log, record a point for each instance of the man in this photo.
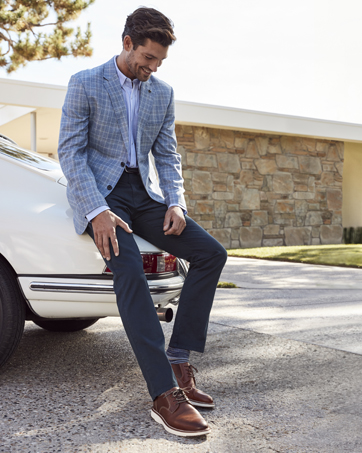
(113, 117)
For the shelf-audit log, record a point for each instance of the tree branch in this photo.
(44, 25)
(9, 40)
(21, 18)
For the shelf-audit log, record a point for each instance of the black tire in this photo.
(12, 312)
(65, 325)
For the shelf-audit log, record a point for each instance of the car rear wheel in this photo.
(12, 313)
(65, 325)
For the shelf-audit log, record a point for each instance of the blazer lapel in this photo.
(114, 89)
(146, 102)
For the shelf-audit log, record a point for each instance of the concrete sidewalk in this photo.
(296, 301)
(265, 274)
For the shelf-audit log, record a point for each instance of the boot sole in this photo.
(177, 432)
(199, 404)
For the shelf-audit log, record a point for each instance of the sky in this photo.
(301, 58)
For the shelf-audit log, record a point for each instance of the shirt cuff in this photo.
(183, 209)
(95, 212)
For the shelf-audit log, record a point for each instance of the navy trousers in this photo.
(130, 201)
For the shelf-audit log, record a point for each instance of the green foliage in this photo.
(21, 39)
(352, 235)
(358, 236)
(226, 285)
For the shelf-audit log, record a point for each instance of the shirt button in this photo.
(109, 187)
(122, 164)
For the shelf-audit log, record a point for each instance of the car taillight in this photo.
(155, 263)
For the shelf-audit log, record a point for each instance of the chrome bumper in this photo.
(89, 288)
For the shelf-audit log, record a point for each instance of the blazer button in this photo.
(122, 164)
(109, 187)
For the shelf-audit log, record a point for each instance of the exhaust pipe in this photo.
(165, 314)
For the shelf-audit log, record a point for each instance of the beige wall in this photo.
(352, 185)
(18, 130)
(48, 123)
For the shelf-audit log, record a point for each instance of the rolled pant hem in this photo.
(190, 347)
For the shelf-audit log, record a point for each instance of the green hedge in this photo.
(352, 235)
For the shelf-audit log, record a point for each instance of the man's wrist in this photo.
(90, 216)
(178, 206)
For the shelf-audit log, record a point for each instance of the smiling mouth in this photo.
(146, 71)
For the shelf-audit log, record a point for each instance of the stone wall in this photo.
(251, 190)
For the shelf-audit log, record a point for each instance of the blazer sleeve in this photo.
(168, 161)
(82, 190)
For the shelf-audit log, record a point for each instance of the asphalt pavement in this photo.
(283, 363)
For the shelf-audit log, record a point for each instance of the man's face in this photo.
(145, 60)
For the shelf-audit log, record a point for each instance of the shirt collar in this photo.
(123, 79)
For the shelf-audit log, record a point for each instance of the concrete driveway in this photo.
(277, 387)
(315, 304)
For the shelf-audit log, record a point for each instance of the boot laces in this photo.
(179, 396)
(191, 372)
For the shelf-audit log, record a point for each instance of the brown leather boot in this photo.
(173, 410)
(184, 373)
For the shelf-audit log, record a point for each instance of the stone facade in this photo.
(252, 190)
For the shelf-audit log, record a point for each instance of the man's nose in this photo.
(153, 66)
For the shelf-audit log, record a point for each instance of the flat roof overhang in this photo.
(189, 113)
(37, 95)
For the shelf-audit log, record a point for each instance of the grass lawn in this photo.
(334, 255)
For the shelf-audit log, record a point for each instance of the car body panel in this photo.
(47, 296)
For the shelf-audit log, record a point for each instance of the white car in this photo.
(49, 274)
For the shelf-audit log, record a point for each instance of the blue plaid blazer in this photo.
(93, 141)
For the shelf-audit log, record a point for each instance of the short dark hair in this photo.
(148, 23)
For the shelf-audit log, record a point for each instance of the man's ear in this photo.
(127, 43)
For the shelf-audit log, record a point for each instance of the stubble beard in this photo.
(129, 62)
(134, 70)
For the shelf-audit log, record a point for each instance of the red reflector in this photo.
(155, 263)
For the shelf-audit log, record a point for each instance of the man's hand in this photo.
(104, 229)
(174, 222)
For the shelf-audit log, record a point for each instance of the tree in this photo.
(21, 38)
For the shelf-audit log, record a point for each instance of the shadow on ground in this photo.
(83, 392)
